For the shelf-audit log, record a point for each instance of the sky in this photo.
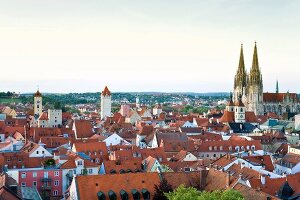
(140, 45)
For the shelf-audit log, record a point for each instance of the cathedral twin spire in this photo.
(242, 80)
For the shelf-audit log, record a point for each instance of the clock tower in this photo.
(38, 108)
(239, 111)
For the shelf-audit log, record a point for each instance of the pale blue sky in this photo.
(142, 45)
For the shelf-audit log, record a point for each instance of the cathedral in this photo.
(249, 87)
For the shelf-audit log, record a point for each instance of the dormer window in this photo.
(252, 147)
(210, 148)
(215, 148)
(79, 162)
(221, 148)
(230, 148)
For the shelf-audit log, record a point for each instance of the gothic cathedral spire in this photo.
(255, 77)
(241, 74)
(255, 87)
(240, 80)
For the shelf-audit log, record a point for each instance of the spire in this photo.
(241, 74)
(255, 77)
(255, 59)
(277, 87)
(241, 68)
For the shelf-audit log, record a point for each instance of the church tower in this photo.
(255, 84)
(240, 81)
(240, 111)
(38, 106)
(105, 103)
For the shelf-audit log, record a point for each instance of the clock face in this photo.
(241, 116)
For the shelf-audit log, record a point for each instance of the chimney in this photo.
(263, 179)
(202, 179)
(228, 179)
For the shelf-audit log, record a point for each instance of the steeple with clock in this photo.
(38, 108)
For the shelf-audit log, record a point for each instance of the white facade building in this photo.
(105, 103)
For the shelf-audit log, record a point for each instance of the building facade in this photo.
(249, 86)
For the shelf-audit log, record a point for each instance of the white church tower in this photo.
(105, 103)
(38, 106)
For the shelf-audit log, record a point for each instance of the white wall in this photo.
(105, 106)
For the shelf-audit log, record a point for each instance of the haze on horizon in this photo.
(140, 45)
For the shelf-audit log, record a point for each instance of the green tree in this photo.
(183, 193)
(190, 193)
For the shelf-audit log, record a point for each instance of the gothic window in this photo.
(241, 109)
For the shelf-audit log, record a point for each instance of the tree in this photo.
(190, 193)
(183, 193)
(161, 189)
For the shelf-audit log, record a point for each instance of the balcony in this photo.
(46, 187)
(46, 179)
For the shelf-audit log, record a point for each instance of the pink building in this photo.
(47, 181)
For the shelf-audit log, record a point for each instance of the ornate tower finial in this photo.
(277, 87)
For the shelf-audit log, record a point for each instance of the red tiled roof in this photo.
(106, 91)
(38, 94)
(279, 97)
(44, 116)
(262, 160)
(89, 186)
(272, 185)
(84, 128)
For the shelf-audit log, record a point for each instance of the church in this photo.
(249, 87)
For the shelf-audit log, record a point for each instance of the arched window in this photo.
(237, 148)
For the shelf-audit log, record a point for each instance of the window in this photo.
(210, 148)
(43, 152)
(34, 183)
(79, 162)
(20, 160)
(90, 171)
(215, 148)
(97, 160)
(56, 173)
(34, 174)
(56, 183)
(23, 175)
(253, 147)
(23, 184)
(37, 152)
(8, 159)
(221, 148)
(45, 174)
(55, 192)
